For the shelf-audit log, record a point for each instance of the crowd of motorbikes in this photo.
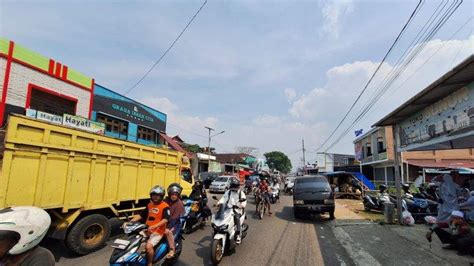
(130, 250)
(420, 204)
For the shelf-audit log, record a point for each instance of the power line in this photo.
(415, 11)
(432, 55)
(448, 13)
(167, 50)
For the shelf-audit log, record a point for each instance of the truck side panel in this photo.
(52, 166)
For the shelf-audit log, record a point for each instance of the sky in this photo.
(268, 73)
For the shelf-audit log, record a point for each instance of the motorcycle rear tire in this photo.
(217, 251)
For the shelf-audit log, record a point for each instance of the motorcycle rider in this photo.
(157, 214)
(21, 230)
(264, 190)
(276, 186)
(176, 211)
(235, 198)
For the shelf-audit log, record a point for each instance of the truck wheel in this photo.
(297, 214)
(88, 234)
(331, 215)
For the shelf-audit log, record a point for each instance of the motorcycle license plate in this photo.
(120, 244)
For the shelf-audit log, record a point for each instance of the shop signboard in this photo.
(55, 119)
(109, 102)
(83, 124)
(452, 114)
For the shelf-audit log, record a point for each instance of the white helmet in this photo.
(30, 223)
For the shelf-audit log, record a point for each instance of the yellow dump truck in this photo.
(82, 179)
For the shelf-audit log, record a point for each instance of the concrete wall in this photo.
(3, 66)
(21, 76)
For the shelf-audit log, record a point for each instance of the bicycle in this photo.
(261, 206)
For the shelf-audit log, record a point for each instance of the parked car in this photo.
(207, 178)
(312, 194)
(220, 184)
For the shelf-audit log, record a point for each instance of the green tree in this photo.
(279, 161)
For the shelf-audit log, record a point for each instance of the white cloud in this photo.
(343, 84)
(290, 94)
(192, 127)
(333, 11)
(331, 101)
(163, 104)
(267, 120)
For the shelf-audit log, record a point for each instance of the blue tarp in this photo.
(364, 180)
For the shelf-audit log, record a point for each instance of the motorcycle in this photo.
(248, 188)
(372, 202)
(224, 232)
(274, 195)
(420, 208)
(195, 215)
(289, 187)
(131, 250)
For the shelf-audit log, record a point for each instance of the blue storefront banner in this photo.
(114, 104)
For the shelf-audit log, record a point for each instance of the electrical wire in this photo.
(167, 50)
(431, 56)
(410, 19)
(444, 18)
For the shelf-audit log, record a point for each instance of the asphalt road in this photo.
(276, 240)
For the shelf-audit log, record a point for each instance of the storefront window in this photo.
(381, 145)
(146, 134)
(50, 103)
(114, 125)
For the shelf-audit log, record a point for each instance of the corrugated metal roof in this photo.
(458, 77)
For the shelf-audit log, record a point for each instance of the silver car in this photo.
(220, 184)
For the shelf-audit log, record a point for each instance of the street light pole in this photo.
(209, 149)
(209, 146)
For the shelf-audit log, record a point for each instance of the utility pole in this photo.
(209, 146)
(396, 145)
(209, 150)
(304, 158)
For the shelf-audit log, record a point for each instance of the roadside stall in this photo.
(347, 185)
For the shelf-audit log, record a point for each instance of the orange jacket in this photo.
(155, 214)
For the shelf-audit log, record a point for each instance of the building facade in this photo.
(378, 160)
(34, 85)
(127, 119)
(374, 151)
(32, 81)
(328, 161)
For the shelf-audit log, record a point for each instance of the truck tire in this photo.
(89, 234)
(297, 214)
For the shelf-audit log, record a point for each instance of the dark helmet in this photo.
(405, 186)
(174, 188)
(234, 184)
(157, 190)
(382, 187)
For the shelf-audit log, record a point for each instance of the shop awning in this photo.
(443, 164)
